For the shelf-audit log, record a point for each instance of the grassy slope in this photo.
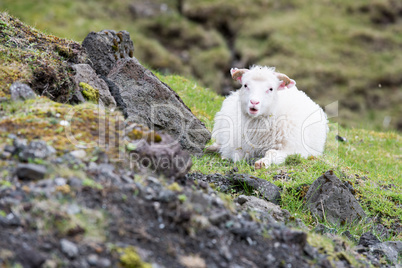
(336, 50)
(369, 160)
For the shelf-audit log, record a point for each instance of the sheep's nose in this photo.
(254, 102)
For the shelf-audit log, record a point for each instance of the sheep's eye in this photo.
(270, 89)
(245, 85)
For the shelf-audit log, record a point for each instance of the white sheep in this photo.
(268, 118)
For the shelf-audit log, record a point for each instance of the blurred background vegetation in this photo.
(336, 50)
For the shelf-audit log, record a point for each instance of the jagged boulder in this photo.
(328, 198)
(106, 47)
(147, 100)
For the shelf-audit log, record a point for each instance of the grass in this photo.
(369, 160)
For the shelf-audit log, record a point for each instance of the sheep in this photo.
(268, 118)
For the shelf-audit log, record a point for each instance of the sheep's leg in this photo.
(271, 157)
(214, 148)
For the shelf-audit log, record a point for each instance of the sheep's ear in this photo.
(237, 73)
(285, 81)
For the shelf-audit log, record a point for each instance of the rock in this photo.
(30, 171)
(10, 220)
(368, 239)
(148, 101)
(257, 204)
(390, 249)
(104, 48)
(219, 217)
(20, 91)
(69, 248)
(84, 73)
(330, 197)
(350, 236)
(36, 150)
(164, 157)
(269, 191)
(29, 257)
(81, 154)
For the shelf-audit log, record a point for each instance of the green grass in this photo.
(370, 161)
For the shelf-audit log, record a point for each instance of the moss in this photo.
(43, 61)
(175, 187)
(90, 93)
(130, 258)
(144, 133)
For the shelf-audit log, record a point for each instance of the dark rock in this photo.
(150, 102)
(9, 149)
(269, 191)
(350, 236)
(339, 138)
(10, 220)
(20, 91)
(329, 198)
(163, 157)
(69, 248)
(29, 257)
(106, 47)
(30, 172)
(36, 150)
(84, 73)
(368, 239)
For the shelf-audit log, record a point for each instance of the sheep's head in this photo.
(260, 86)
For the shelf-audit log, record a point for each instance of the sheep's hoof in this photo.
(259, 164)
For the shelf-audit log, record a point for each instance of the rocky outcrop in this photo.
(148, 101)
(328, 198)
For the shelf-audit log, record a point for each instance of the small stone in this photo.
(92, 259)
(36, 150)
(31, 171)
(5, 155)
(29, 257)
(20, 91)
(10, 220)
(81, 154)
(9, 148)
(69, 248)
(218, 217)
(60, 181)
(368, 239)
(104, 263)
(339, 138)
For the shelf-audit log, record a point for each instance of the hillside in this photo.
(336, 50)
(72, 195)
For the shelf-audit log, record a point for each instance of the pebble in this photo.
(69, 248)
(81, 154)
(31, 171)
